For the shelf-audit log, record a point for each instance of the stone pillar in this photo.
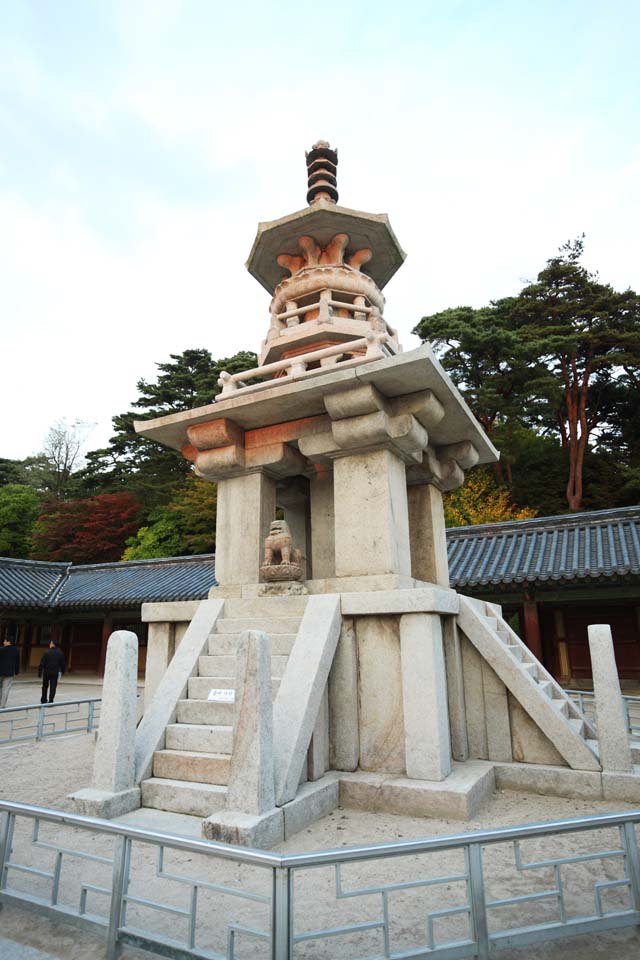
(532, 636)
(246, 507)
(424, 695)
(455, 689)
(160, 648)
(381, 729)
(344, 739)
(613, 735)
(113, 791)
(429, 561)
(371, 515)
(323, 551)
(295, 504)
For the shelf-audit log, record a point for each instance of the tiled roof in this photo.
(580, 546)
(29, 583)
(25, 583)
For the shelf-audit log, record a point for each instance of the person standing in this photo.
(51, 668)
(9, 668)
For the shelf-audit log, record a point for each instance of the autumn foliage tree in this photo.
(481, 500)
(93, 530)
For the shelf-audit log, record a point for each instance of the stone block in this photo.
(621, 786)
(246, 507)
(474, 700)
(455, 689)
(323, 557)
(611, 722)
(344, 738)
(381, 707)
(105, 803)
(528, 742)
(429, 561)
(245, 829)
(549, 781)
(414, 600)
(312, 802)
(251, 785)
(424, 697)
(182, 796)
(371, 515)
(169, 611)
(496, 705)
(160, 640)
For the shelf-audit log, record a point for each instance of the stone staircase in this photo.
(541, 696)
(191, 772)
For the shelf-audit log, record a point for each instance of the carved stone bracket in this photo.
(218, 450)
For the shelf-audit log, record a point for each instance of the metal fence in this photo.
(39, 720)
(586, 702)
(450, 897)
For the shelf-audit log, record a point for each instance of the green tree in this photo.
(11, 471)
(545, 359)
(150, 471)
(19, 509)
(183, 527)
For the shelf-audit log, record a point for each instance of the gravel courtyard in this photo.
(44, 773)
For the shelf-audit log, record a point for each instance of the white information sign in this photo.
(222, 696)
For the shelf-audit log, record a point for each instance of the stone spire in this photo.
(322, 169)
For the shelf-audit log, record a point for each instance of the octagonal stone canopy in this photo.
(322, 221)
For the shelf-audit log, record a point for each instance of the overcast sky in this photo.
(142, 140)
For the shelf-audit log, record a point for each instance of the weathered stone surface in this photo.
(455, 689)
(496, 705)
(323, 559)
(318, 753)
(182, 796)
(313, 801)
(246, 507)
(474, 700)
(344, 738)
(150, 734)
(416, 600)
(251, 787)
(548, 780)
(113, 786)
(191, 765)
(528, 742)
(245, 829)
(429, 560)
(613, 735)
(621, 786)
(424, 697)
(169, 611)
(371, 527)
(297, 703)
(381, 707)
(458, 797)
(160, 641)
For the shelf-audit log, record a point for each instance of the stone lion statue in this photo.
(278, 547)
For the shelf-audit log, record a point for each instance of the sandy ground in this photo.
(28, 692)
(44, 773)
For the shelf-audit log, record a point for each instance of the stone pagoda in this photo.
(333, 662)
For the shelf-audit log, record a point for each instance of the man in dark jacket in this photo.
(9, 667)
(52, 666)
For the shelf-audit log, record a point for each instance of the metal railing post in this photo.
(90, 716)
(632, 857)
(6, 835)
(478, 902)
(118, 885)
(40, 724)
(281, 914)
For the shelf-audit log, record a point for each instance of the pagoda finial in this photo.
(322, 167)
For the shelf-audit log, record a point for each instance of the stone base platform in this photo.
(459, 796)
(104, 804)
(563, 782)
(313, 801)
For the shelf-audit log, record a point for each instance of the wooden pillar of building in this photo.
(532, 634)
(107, 629)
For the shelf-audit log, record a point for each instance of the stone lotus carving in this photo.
(333, 255)
(282, 561)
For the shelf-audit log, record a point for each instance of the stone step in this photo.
(577, 725)
(205, 711)
(561, 706)
(192, 766)
(531, 669)
(227, 643)
(547, 688)
(269, 625)
(265, 607)
(181, 796)
(198, 687)
(201, 737)
(225, 665)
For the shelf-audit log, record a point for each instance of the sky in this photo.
(141, 141)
